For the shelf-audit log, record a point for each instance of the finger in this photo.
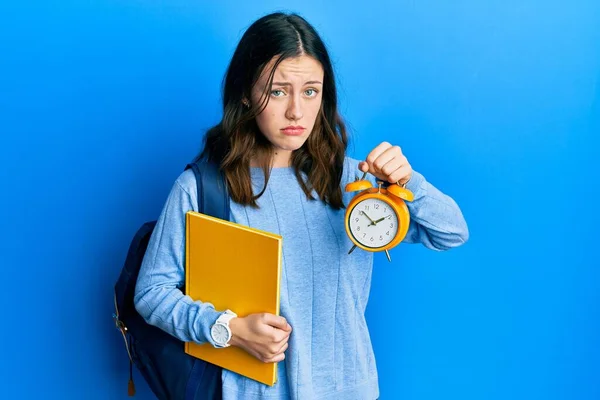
(275, 349)
(376, 152)
(288, 328)
(387, 156)
(402, 174)
(278, 358)
(280, 336)
(283, 348)
(276, 321)
(394, 164)
(363, 166)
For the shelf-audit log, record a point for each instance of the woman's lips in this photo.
(293, 131)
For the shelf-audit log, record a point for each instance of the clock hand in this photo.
(372, 222)
(379, 220)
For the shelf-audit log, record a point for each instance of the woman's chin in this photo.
(291, 144)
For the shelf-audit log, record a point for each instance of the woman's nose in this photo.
(294, 110)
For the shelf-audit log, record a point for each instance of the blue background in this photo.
(497, 103)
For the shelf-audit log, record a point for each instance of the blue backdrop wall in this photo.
(496, 102)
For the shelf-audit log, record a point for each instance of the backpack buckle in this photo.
(123, 329)
(120, 325)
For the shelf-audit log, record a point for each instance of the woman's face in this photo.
(294, 103)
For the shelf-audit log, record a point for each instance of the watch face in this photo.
(220, 334)
(373, 223)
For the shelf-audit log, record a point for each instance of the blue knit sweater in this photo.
(324, 290)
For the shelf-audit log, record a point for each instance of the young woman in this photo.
(281, 146)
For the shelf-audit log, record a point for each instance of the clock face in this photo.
(220, 334)
(373, 223)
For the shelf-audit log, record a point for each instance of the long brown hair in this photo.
(237, 139)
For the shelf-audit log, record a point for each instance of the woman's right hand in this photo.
(263, 335)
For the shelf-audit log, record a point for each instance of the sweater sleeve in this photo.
(436, 221)
(158, 295)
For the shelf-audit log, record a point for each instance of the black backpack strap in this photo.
(213, 197)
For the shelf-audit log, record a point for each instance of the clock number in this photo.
(391, 225)
(366, 207)
(358, 228)
(377, 206)
(389, 216)
(388, 233)
(372, 238)
(364, 234)
(356, 220)
(380, 237)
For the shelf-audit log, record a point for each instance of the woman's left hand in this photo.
(387, 163)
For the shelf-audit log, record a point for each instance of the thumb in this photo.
(277, 322)
(363, 166)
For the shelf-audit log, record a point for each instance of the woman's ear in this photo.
(246, 103)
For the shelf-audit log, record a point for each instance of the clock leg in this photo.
(352, 249)
(387, 253)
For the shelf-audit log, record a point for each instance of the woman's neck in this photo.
(281, 159)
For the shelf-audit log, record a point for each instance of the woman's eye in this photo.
(277, 93)
(310, 92)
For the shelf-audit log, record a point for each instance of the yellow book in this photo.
(238, 268)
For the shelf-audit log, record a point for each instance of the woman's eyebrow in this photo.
(289, 84)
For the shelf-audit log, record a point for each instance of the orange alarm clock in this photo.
(377, 219)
